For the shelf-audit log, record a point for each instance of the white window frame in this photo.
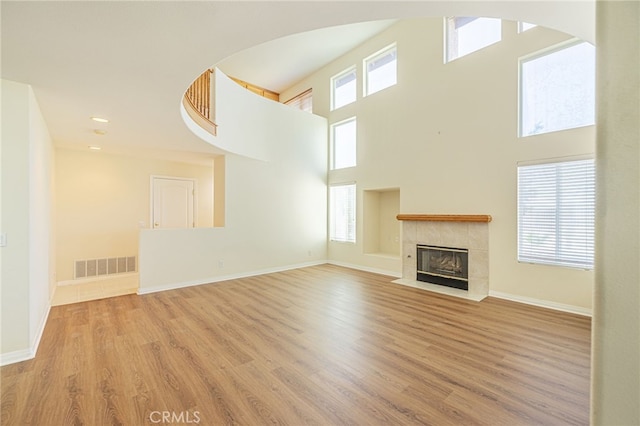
(366, 90)
(334, 165)
(525, 26)
(448, 38)
(344, 232)
(556, 212)
(335, 78)
(532, 57)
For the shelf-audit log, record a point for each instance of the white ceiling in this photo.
(132, 61)
(278, 64)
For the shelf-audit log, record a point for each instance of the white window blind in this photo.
(556, 213)
(303, 101)
(342, 214)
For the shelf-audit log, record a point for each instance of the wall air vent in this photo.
(102, 267)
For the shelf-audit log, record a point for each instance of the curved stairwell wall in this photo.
(247, 123)
(275, 198)
(244, 123)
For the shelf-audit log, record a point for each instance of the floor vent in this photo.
(107, 266)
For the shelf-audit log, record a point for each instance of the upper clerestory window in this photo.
(381, 70)
(343, 88)
(465, 35)
(557, 89)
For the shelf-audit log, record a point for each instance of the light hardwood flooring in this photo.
(323, 345)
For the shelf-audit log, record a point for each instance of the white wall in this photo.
(41, 233)
(275, 207)
(245, 125)
(15, 217)
(102, 200)
(446, 136)
(27, 274)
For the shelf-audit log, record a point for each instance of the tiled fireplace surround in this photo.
(458, 231)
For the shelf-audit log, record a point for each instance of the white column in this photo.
(615, 389)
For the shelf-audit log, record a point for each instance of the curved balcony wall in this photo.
(275, 191)
(245, 122)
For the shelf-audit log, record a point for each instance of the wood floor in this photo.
(322, 345)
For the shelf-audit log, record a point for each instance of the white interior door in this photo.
(172, 202)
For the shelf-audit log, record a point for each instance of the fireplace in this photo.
(443, 265)
(444, 232)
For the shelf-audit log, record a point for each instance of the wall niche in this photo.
(381, 228)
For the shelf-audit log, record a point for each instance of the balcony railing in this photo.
(198, 98)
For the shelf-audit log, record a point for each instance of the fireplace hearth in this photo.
(444, 231)
(445, 266)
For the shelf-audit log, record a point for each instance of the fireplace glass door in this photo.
(443, 265)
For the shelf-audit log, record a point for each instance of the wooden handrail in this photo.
(198, 96)
(260, 91)
(445, 217)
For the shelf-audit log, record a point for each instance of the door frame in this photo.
(151, 195)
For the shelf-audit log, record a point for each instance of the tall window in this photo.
(381, 70)
(343, 144)
(343, 88)
(557, 89)
(303, 101)
(342, 213)
(468, 34)
(556, 213)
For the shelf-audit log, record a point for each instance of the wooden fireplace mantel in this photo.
(485, 218)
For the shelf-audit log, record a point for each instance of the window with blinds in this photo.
(556, 213)
(303, 101)
(342, 213)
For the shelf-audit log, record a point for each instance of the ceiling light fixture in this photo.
(100, 132)
(94, 148)
(100, 120)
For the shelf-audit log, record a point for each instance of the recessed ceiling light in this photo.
(100, 132)
(95, 148)
(100, 120)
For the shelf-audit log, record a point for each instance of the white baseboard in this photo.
(16, 356)
(29, 353)
(393, 274)
(36, 339)
(542, 303)
(218, 278)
